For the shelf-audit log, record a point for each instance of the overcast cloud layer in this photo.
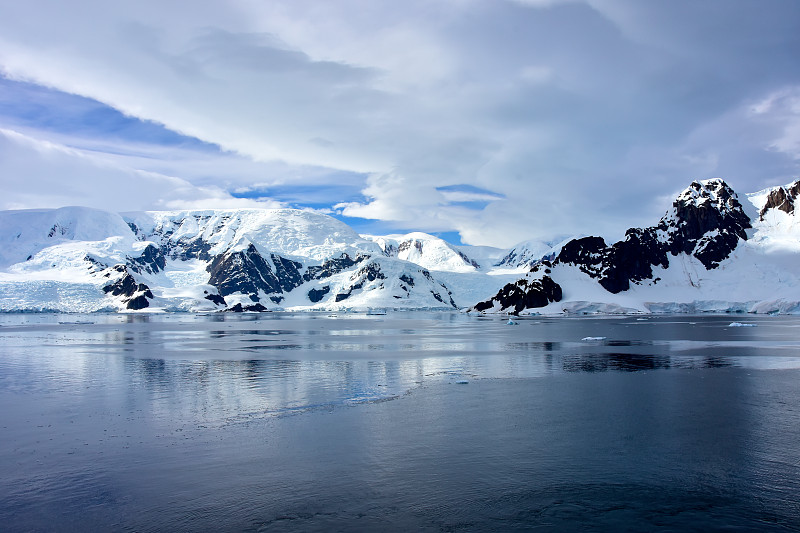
(502, 120)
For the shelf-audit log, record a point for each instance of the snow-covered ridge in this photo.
(709, 252)
(245, 259)
(289, 232)
(425, 250)
(527, 253)
(705, 254)
(776, 226)
(24, 233)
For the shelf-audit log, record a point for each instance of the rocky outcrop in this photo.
(134, 295)
(706, 221)
(782, 198)
(367, 273)
(331, 267)
(316, 295)
(247, 272)
(523, 294)
(151, 261)
(239, 308)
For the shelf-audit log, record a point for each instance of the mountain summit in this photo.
(709, 252)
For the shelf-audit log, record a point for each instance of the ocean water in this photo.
(400, 422)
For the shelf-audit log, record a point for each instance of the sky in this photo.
(487, 122)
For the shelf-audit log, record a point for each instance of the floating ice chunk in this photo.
(741, 325)
(593, 339)
(511, 323)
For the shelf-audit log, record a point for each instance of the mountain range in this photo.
(710, 252)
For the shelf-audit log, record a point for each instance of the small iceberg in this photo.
(511, 323)
(741, 325)
(593, 339)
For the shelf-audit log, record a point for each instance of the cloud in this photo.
(580, 116)
(40, 174)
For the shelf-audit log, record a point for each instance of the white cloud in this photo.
(584, 115)
(44, 174)
(782, 110)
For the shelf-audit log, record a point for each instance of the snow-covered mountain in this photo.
(709, 252)
(425, 250)
(527, 254)
(79, 259)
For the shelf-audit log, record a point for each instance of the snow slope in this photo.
(709, 252)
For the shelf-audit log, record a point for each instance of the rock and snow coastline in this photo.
(709, 253)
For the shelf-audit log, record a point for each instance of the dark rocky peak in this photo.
(151, 261)
(287, 272)
(247, 272)
(783, 198)
(133, 294)
(703, 207)
(707, 211)
(332, 266)
(525, 293)
(243, 272)
(632, 259)
(713, 192)
(587, 253)
(706, 220)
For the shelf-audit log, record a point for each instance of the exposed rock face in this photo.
(587, 253)
(706, 221)
(151, 261)
(435, 292)
(248, 272)
(368, 272)
(184, 250)
(632, 260)
(216, 299)
(783, 198)
(468, 260)
(331, 267)
(134, 295)
(239, 308)
(316, 295)
(287, 272)
(524, 294)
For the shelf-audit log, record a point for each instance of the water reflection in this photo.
(187, 422)
(216, 368)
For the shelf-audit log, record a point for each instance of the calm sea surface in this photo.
(402, 422)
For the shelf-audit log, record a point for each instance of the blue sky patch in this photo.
(469, 189)
(29, 105)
